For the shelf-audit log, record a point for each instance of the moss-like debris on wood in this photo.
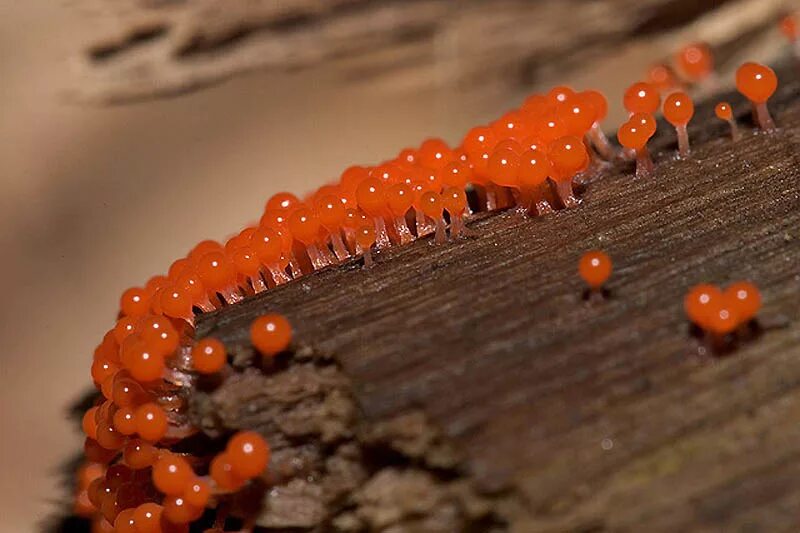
(558, 414)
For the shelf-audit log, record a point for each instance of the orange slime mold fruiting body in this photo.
(271, 334)
(757, 83)
(634, 135)
(696, 62)
(595, 268)
(724, 112)
(678, 110)
(642, 97)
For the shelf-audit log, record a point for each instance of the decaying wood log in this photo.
(151, 48)
(469, 386)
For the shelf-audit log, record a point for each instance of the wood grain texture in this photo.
(564, 415)
(138, 49)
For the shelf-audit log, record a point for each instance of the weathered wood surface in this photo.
(478, 364)
(138, 49)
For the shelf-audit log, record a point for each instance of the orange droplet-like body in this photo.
(594, 268)
(330, 211)
(722, 318)
(399, 198)
(178, 511)
(144, 363)
(151, 422)
(89, 424)
(699, 303)
(434, 154)
(371, 196)
(723, 111)
(282, 201)
(568, 156)
(512, 125)
(148, 518)
(215, 270)
(431, 204)
(365, 235)
(304, 225)
(135, 302)
(503, 166)
(788, 26)
(455, 174)
(479, 139)
(267, 244)
(695, 61)
(454, 200)
(635, 132)
(139, 454)
(248, 453)
(641, 97)
(534, 168)
(172, 474)
(124, 421)
(744, 299)
(598, 102)
(125, 326)
(662, 77)
(756, 82)
(578, 114)
(271, 334)
(209, 356)
(222, 472)
(175, 302)
(197, 493)
(245, 261)
(560, 94)
(678, 108)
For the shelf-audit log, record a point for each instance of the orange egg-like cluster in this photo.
(138, 475)
(720, 313)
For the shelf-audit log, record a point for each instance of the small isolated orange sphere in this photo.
(678, 108)
(271, 334)
(248, 453)
(695, 60)
(172, 474)
(151, 422)
(595, 268)
(699, 303)
(723, 111)
(641, 97)
(756, 82)
(745, 300)
(209, 356)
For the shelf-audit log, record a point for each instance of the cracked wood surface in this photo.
(590, 416)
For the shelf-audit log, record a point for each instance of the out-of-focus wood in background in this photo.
(148, 48)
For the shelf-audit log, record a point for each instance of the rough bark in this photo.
(469, 386)
(151, 48)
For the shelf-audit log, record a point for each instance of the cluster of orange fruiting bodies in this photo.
(135, 480)
(721, 313)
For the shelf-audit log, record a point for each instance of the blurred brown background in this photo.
(95, 198)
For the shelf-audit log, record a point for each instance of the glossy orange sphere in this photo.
(371, 196)
(304, 225)
(434, 153)
(124, 421)
(744, 298)
(151, 422)
(282, 201)
(595, 268)
(534, 168)
(139, 454)
(267, 244)
(699, 303)
(399, 198)
(135, 302)
(222, 472)
(365, 235)
(455, 174)
(512, 125)
(633, 135)
(568, 155)
(248, 453)
(756, 82)
(722, 318)
(271, 334)
(503, 166)
(431, 204)
(695, 60)
(197, 493)
(148, 518)
(598, 102)
(578, 114)
(641, 97)
(179, 511)
(172, 474)
(479, 139)
(216, 271)
(723, 111)
(678, 108)
(209, 356)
